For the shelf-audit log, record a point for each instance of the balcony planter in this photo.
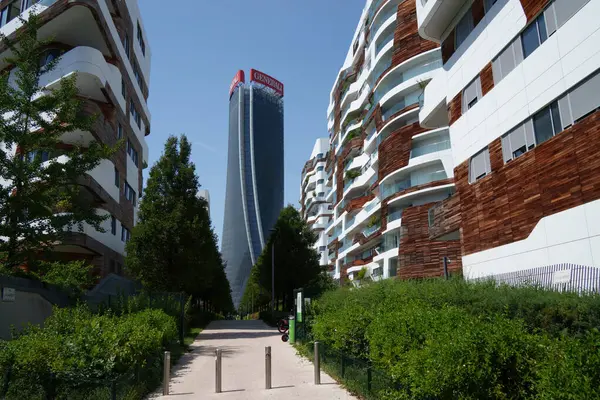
(352, 174)
(373, 221)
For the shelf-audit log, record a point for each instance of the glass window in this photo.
(565, 9)
(117, 178)
(125, 234)
(488, 5)
(463, 28)
(546, 123)
(479, 165)
(123, 90)
(518, 141)
(320, 181)
(119, 131)
(507, 60)
(49, 55)
(113, 225)
(13, 10)
(140, 38)
(471, 94)
(580, 101)
(534, 35)
(126, 44)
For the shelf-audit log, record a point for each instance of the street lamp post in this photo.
(272, 271)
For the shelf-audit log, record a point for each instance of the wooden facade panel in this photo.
(445, 217)
(533, 7)
(487, 78)
(477, 11)
(455, 108)
(506, 205)
(394, 151)
(448, 47)
(418, 255)
(407, 41)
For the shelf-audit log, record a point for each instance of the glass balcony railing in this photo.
(350, 222)
(372, 204)
(396, 187)
(381, 43)
(394, 216)
(345, 246)
(382, 17)
(430, 148)
(371, 230)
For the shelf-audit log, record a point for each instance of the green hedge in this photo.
(78, 354)
(454, 340)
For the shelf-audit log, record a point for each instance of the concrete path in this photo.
(243, 344)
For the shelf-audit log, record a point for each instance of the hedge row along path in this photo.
(243, 344)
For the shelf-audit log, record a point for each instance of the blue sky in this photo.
(198, 46)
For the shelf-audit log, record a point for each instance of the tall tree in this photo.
(296, 262)
(173, 246)
(40, 198)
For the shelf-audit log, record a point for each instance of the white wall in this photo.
(571, 236)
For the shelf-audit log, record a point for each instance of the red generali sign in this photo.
(269, 81)
(240, 77)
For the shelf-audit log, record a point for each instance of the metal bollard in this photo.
(218, 371)
(268, 367)
(166, 372)
(317, 365)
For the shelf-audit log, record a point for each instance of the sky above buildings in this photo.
(198, 46)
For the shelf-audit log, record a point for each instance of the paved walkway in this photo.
(243, 344)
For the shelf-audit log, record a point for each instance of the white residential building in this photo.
(315, 209)
(384, 170)
(519, 88)
(105, 43)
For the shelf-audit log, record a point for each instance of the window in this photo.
(50, 55)
(463, 28)
(135, 114)
(560, 11)
(126, 45)
(12, 10)
(534, 35)
(133, 154)
(580, 101)
(40, 155)
(137, 74)
(471, 94)
(320, 181)
(488, 5)
(322, 248)
(130, 194)
(479, 166)
(546, 123)
(507, 60)
(117, 178)
(321, 194)
(123, 89)
(518, 141)
(125, 234)
(319, 169)
(430, 217)
(119, 131)
(112, 266)
(140, 38)
(113, 225)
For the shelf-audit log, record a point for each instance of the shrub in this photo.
(77, 347)
(442, 339)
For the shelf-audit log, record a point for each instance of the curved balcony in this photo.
(434, 110)
(94, 74)
(435, 16)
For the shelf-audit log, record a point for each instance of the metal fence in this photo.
(560, 277)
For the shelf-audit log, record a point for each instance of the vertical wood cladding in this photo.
(455, 108)
(448, 47)
(394, 151)
(418, 255)
(506, 205)
(358, 202)
(487, 78)
(407, 41)
(533, 7)
(446, 217)
(478, 11)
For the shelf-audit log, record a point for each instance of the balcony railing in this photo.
(430, 148)
(383, 42)
(345, 246)
(372, 204)
(396, 187)
(394, 216)
(371, 230)
(350, 222)
(382, 18)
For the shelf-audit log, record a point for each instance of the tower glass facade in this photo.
(254, 194)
